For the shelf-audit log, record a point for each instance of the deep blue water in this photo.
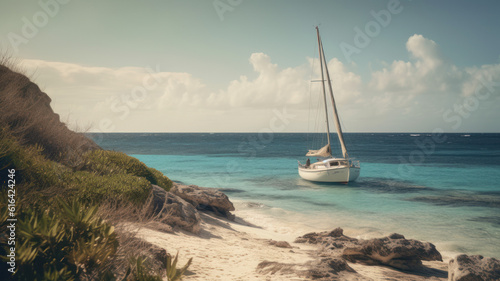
(440, 188)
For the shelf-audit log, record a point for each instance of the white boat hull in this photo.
(334, 174)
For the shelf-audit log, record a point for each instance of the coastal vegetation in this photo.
(70, 198)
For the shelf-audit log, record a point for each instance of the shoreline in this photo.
(232, 250)
(293, 229)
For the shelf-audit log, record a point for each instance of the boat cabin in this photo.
(335, 162)
(330, 163)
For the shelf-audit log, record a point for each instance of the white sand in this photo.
(226, 250)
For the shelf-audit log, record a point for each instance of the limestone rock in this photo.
(173, 210)
(337, 232)
(398, 252)
(279, 244)
(473, 268)
(205, 199)
(329, 268)
(276, 268)
(335, 236)
(325, 269)
(394, 250)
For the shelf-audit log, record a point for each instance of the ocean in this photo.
(440, 188)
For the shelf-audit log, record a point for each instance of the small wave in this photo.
(414, 135)
(465, 136)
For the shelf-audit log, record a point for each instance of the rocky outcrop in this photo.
(334, 238)
(277, 268)
(473, 268)
(173, 210)
(205, 199)
(394, 250)
(326, 269)
(280, 244)
(330, 268)
(179, 206)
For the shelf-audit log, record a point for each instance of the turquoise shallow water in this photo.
(449, 195)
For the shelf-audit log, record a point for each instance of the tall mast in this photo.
(335, 114)
(321, 58)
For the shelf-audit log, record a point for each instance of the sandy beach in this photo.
(232, 250)
(225, 250)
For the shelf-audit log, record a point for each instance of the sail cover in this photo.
(325, 151)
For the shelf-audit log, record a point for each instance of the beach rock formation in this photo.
(280, 244)
(326, 269)
(173, 210)
(330, 268)
(473, 268)
(278, 268)
(330, 238)
(205, 199)
(395, 250)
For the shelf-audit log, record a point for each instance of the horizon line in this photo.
(409, 132)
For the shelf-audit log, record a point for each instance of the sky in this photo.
(247, 65)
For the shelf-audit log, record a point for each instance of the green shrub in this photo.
(112, 162)
(174, 273)
(106, 174)
(138, 271)
(30, 165)
(91, 186)
(61, 243)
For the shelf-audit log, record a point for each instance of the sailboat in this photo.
(329, 168)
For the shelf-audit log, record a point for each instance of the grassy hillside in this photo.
(26, 112)
(62, 180)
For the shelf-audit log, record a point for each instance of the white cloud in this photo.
(272, 87)
(405, 95)
(428, 85)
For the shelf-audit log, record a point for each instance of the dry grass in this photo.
(26, 111)
(128, 219)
